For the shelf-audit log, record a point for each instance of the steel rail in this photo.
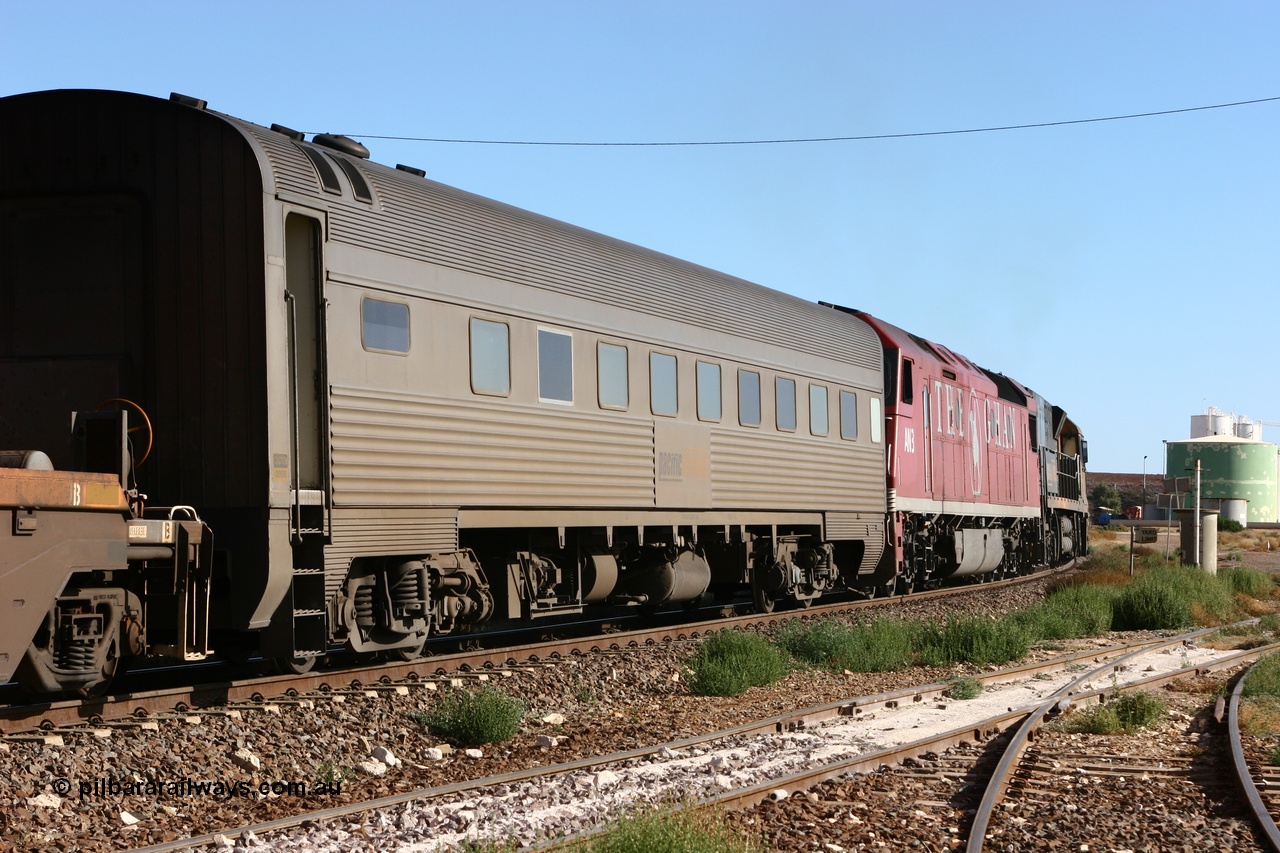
(1063, 699)
(772, 725)
(978, 731)
(19, 718)
(1265, 820)
(789, 721)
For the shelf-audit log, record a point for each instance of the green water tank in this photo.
(1231, 469)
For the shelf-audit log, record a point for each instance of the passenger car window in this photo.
(748, 398)
(818, 410)
(384, 325)
(708, 391)
(662, 383)
(490, 357)
(611, 368)
(848, 415)
(784, 391)
(555, 366)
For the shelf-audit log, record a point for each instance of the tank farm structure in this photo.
(262, 395)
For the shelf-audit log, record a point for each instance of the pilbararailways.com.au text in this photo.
(218, 789)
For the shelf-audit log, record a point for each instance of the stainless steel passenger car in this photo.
(404, 409)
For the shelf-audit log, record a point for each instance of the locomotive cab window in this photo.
(908, 386)
(555, 366)
(662, 384)
(611, 368)
(708, 391)
(490, 357)
(748, 398)
(818, 410)
(848, 415)
(784, 391)
(384, 326)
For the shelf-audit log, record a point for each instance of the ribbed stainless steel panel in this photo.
(427, 221)
(783, 472)
(400, 449)
(431, 222)
(364, 531)
(850, 525)
(292, 171)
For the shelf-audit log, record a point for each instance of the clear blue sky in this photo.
(1127, 270)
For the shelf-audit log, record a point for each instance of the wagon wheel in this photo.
(762, 599)
(410, 653)
(295, 665)
(111, 667)
(122, 404)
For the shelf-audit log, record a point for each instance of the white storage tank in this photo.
(1248, 430)
(1212, 422)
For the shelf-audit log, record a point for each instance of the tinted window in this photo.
(384, 325)
(848, 415)
(662, 383)
(708, 391)
(555, 366)
(748, 398)
(818, 410)
(784, 391)
(490, 357)
(611, 362)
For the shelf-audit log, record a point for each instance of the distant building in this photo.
(1239, 473)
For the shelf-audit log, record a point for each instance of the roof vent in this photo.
(345, 144)
(289, 132)
(412, 170)
(188, 101)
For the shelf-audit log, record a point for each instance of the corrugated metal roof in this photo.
(428, 221)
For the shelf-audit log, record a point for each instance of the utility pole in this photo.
(1197, 552)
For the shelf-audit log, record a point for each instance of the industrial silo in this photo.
(1232, 470)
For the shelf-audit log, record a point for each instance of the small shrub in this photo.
(880, 646)
(1137, 710)
(964, 688)
(1248, 582)
(331, 774)
(1270, 622)
(972, 639)
(1126, 713)
(685, 831)
(1085, 610)
(474, 718)
(1229, 525)
(1150, 607)
(731, 662)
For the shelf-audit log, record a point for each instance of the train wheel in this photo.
(295, 666)
(762, 599)
(410, 653)
(112, 668)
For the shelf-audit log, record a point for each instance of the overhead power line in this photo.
(819, 138)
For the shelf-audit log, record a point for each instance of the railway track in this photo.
(728, 759)
(472, 662)
(1007, 784)
(1259, 778)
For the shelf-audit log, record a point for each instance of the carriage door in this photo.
(308, 380)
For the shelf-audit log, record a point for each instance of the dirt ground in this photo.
(1248, 549)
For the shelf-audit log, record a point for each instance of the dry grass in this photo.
(1250, 539)
(1260, 716)
(1202, 685)
(1253, 606)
